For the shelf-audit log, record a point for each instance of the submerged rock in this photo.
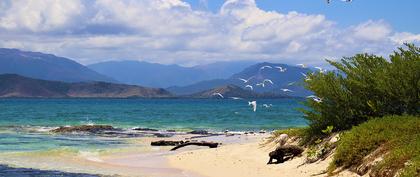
(145, 129)
(84, 128)
(199, 132)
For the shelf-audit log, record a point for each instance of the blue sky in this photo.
(191, 32)
(403, 15)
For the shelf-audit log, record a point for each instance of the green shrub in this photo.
(399, 138)
(364, 86)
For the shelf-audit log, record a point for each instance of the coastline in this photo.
(239, 155)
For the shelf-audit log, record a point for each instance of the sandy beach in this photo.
(238, 156)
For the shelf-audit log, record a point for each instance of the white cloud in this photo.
(170, 31)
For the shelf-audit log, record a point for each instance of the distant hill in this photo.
(12, 85)
(229, 91)
(291, 79)
(159, 75)
(46, 66)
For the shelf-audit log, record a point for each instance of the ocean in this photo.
(24, 123)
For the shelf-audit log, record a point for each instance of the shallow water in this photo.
(24, 123)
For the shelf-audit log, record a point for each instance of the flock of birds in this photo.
(269, 81)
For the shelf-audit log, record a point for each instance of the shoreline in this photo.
(237, 156)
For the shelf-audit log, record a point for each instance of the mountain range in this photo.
(12, 85)
(159, 75)
(46, 66)
(179, 80)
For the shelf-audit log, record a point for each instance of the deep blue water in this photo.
(210, 114)
(21, 118)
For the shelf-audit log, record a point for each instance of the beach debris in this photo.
(201, 143)
(283, 153)
(84, 128)
(167, 143)
(199, 132)
(145, 129)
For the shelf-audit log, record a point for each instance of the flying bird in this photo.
(260, 84)
(249, 86)
(218, 94)
(253, 104)
(236, 98)
(286, 90)
(281, 69)
(315, 98)
(266, 67)
(306, 77)
(246, 80)
(321, 70)
(269, 81)
(291, 83)
(267, 105)
(301, 65)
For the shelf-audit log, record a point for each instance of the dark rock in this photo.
(288, 151)
(162, 135)
(199, 132)
(145, 129)
(167, 143)
(171, 130)
(84, 128)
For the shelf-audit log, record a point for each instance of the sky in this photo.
(192, 32)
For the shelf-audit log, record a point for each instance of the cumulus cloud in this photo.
(170, 31)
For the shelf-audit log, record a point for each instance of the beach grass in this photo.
(396, 139)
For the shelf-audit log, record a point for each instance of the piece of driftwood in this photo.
(283, 153)
(167, 143)
(202, 143)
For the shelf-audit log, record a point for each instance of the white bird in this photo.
(218, 94)
(315, 98)
(286, 90)
(321, 70)
(269, 81)
(267, 105)
(301, 65)
(246, 80)
(249, 86)
(254, 105)
(291, 83)
(260, 84)
(281, 69)
(236, 98)
(266, 67)
(306, 77)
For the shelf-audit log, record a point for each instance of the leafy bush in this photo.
(364, 86)
(399, 138)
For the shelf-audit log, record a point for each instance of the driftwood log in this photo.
(283, 153)
(202, 143)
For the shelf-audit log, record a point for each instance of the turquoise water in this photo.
(22, 121)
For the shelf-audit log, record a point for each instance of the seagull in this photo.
(306, 77)
(267, 105)
(260, 84)
(218, 94)
(269, 81)
(281, 69)
(321, 70)
(286, 90)
(291, 83)
(236, 98)
(249, 86)
(246, 80)
(254, 105)
(301, 65)
(266, 67)
(315, 98)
